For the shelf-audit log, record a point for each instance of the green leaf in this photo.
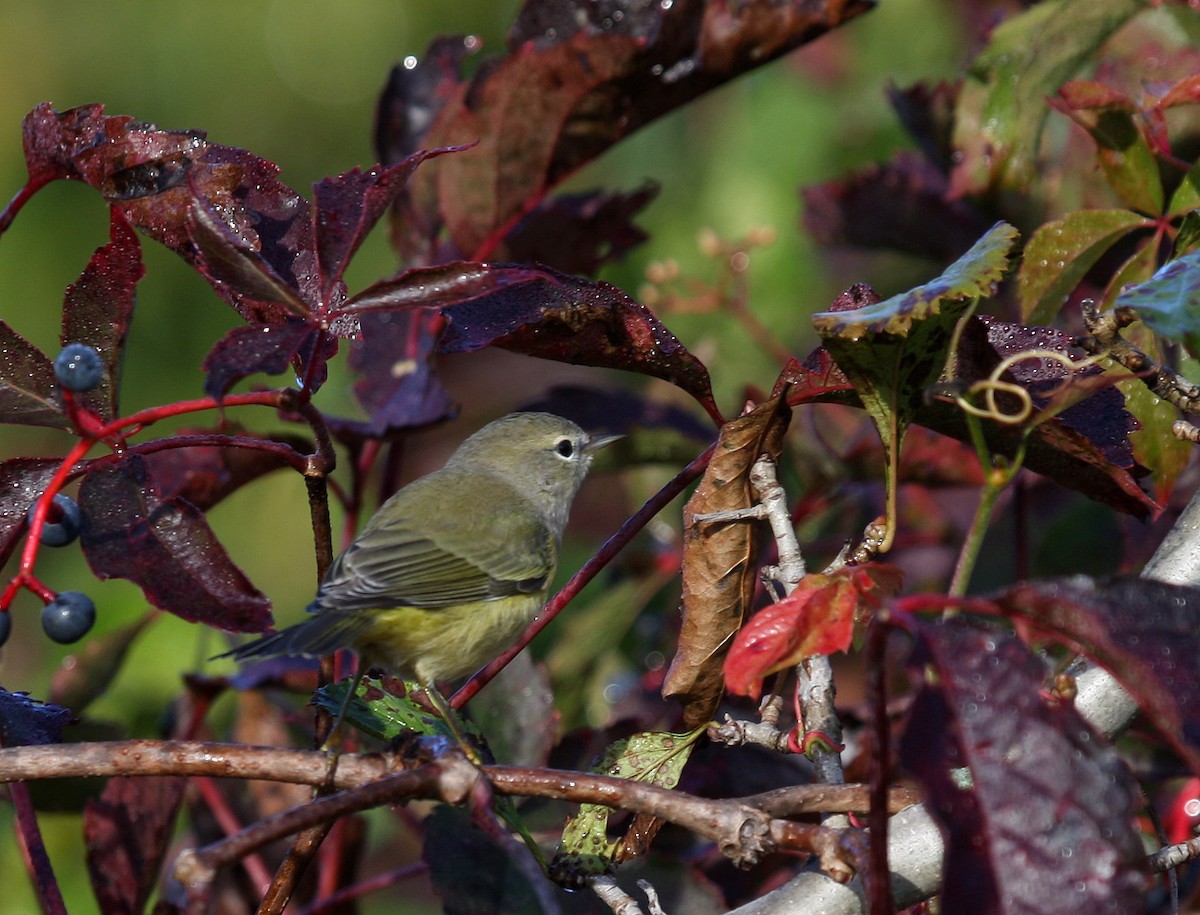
(1154, 445)
(1186, 197)
(1060, 254)
(894, 350)
(652, 757)
(1002, 108)
(1169, 302)
(1138, 268)
(1122, 149)
(1187, 239)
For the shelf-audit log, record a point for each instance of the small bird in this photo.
(453, 567)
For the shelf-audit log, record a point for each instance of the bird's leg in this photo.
(438, 701)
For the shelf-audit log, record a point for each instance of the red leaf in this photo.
(166, 547)
(582, 322)
(27, 383)
(98, 307)
(1146, 633)
(1027, 794)
(127, 830)
(816, 619)
(22, 481)
(266, 348)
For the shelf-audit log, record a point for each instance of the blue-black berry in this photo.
(68, 617)
(63, 521)
(5, 626)
(78, 367)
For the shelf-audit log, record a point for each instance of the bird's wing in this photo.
(454, 557)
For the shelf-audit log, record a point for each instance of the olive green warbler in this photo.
(454, 566)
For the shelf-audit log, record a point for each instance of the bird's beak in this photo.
(596, 442)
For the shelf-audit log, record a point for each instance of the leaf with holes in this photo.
(586, 849)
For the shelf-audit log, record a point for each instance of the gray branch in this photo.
(915, 844)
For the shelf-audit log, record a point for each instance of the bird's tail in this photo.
(322, 634)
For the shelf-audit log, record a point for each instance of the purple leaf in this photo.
(165, 546)
(440, 286)
(1146, 633)
(98, 307)
(576, 80)
(27, 383)
(25, 721)
(903, 205)
(1028, 795)
(266, 348)
(396, 384)
(582, 322)
(347, 208)
(127, 830)
(238, 271)
(22, 481)
(204, 474)
(579, 233)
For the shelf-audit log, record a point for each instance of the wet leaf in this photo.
(586, 849)
(1002, 107)
(266, 348)
(165, 546)
(27, 383)
(25, 721)
(892, 351)
(348, 206)
(719, 560)
(1145, 633)
(1155, 446)
(1060, 253)
(818, 618)
(1122, 150)
(1169, 302)
(128, 830)
(1027, 794)
(583, 322)
(98, 308)
(383, 714)
(22, 481)
(575, 81)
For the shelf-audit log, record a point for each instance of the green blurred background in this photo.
(295, 81)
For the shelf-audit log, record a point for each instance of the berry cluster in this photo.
(69, 616)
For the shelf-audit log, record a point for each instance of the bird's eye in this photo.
(565, 447)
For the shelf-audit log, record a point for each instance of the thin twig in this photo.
(611, 894)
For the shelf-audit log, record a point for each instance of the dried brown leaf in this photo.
(719, 570)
